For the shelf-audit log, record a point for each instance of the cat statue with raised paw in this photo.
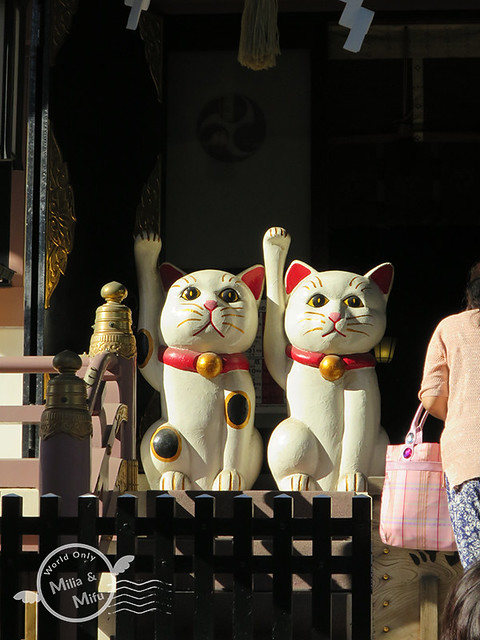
(319, 330)
(193, 331)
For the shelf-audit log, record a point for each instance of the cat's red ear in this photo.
(169, 274)
(382, 276)
(296, 272)
(254, 279)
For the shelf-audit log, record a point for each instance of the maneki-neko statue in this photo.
(193, 331)
(320, 328)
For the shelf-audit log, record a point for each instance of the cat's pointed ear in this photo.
(296, 272)
(169, 274)
(254, 279)
(383, 277)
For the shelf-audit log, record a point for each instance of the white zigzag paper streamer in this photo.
(358, 20)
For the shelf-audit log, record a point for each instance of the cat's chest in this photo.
(307, 385)
(193, 398)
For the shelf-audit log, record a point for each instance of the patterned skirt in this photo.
(464, 509)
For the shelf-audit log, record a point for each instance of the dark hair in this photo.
(474, 271)
(461, 615)
(472, 294)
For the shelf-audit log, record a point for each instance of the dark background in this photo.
(376, 194)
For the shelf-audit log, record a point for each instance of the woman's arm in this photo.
(436, 405)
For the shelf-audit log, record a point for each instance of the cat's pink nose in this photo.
(210, 305)
(335, 316)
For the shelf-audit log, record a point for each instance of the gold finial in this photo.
(66, 409)
(114, 292)
(112, 330)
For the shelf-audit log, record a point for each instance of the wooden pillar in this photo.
(428, 607)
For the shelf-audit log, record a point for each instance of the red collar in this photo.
(210, 364)
(313, 359)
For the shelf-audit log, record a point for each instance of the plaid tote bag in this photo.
(414, 510)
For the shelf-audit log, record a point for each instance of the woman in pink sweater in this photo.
(450, 391)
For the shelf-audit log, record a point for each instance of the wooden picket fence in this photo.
(210, 566)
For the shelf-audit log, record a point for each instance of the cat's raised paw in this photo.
(354, 481)
(228, 480)
(277, 236)
(147, 247)
(174, 481)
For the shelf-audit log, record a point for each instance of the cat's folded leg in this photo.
(296, 458)
(165, 457)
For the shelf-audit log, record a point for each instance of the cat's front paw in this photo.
(147, 247)
(174, 481)
(298, 482)
(354, 481)
(228, 480)
(278, 237)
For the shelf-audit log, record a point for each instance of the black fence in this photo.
(197, 575)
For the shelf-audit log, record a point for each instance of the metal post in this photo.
(65, 433)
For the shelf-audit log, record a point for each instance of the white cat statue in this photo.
(193, 331)
(319, 330)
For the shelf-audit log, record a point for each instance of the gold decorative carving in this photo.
(147, 218)
(60, 217)
(150, 28)
(77, 424)
(127, 476)
(62, 12)
(66, 409)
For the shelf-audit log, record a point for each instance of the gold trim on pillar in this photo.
(150, 28)
(62, 17)
(147, 217)
(60, 217)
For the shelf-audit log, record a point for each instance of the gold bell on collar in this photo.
(332, 368)
(209, 365)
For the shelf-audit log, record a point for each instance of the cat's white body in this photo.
(205, 438)
(332, 439)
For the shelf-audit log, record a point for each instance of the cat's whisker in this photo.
(314, 329)
(363, 315)
(322, 321)
(357, 331)
(229, 324)
(188, 320)
(199, 313)
(361, 324)
(235, 315)
(316, 313)
(194, 304)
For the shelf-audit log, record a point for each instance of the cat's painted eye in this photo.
(229, 295)
(318, 300)
(353, 301)
(190, 293)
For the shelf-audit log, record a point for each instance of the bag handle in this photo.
(415, 433)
